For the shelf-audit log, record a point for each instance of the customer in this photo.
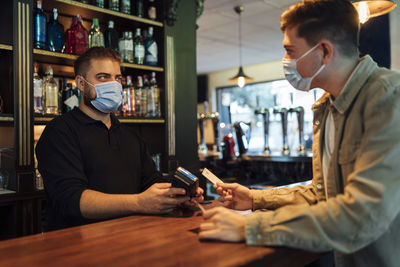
(353, 203)
(93, 166)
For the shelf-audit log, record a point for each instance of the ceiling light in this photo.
(373, 8)
(240, 78)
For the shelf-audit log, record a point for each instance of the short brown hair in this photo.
(334, 20)
(82, 63)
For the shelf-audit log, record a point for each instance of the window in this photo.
(236, 104)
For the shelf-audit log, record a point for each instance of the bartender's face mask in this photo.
(294, 77)
(108, 96)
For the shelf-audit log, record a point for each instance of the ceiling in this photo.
(218, 37)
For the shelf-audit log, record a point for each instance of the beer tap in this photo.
(265, 114)
(284, 120)
(202, 145)
(300, 121)
(215, 120)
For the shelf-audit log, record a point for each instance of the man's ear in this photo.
(80, 83)
(327, 51)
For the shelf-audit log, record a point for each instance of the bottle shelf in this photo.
(6, 47)
(46, 119)
(6, 118)
(68, 59)
(69, 7)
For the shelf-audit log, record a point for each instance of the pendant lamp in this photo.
(240, 78)
(373, 8)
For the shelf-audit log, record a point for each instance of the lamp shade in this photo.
(240, 78)
(373, 8)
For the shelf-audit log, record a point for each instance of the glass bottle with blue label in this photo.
(151, 57)
(39, 37)
(55, 33)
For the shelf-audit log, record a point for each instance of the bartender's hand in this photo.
(223, 224)
(197, 199)
(234, 196)
(161, 198)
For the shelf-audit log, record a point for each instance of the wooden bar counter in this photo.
(141, 241)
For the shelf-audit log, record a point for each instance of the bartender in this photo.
(94, 167)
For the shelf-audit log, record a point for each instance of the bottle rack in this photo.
(62, 63)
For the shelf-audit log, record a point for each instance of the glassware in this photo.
(3, 179)
(99, 3)
(131, 97)
(151, 49)
(37, 90)
(70, 37)
(111, 36)
(139, 47)
(126, 6)
(126, 47)
(138, 94)
(139, 8)
(81, 37)
(55, 33)
(96, 37)
(113, 5)
(50, 93)
(39, 36)
(151, 10)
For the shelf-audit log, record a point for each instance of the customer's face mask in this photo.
(108, 96)
(294, 77)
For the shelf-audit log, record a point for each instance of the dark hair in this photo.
(82, 63)
(334, 20)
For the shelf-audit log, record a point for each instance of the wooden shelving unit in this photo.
(69, 7)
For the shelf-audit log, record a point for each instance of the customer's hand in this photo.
(161, 198)
(197, 199)
(234, 196)
(223, 224)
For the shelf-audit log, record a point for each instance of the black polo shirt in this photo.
(76, 152)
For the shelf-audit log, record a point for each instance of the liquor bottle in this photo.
(155, 94)
(111, 36)
(139, 8)
(96, 37)
(131, 96)
(138, 94)
(113, 5)
(55, 33)
(39, 38)
(81, 37)
(151, 10)
(37, 90)
(99, 3)
(139, 48)
(70, 37)
(126, 47)
(143, 96)
(149, 97)
(69, 98)
(50, 93)
(151, 49)
(126, 6)
(124, 106)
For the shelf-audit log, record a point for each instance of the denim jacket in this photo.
(359, 215)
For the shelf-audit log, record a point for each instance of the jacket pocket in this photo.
(346, 160)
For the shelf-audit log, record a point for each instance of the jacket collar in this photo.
(357, 79)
